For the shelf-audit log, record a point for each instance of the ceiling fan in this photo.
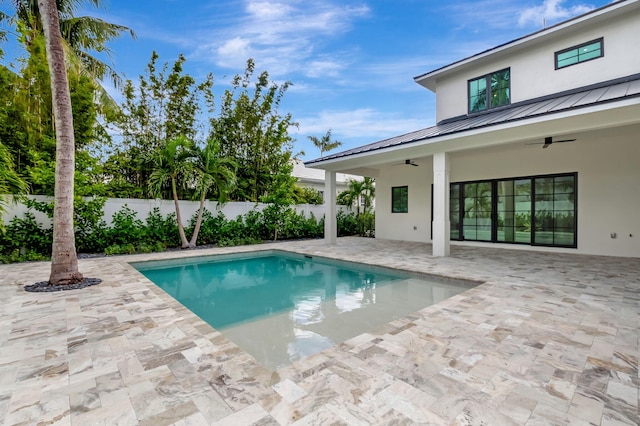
(407, 163)
(548, 141)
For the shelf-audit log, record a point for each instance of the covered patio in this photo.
(546, 338)
(602, 122)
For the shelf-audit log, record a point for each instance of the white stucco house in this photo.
(493, 170)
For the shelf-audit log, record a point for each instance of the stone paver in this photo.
(547, 338)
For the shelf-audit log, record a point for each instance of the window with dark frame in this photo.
(584, 52)
(490, 91)
(534, 210)
(400, 199)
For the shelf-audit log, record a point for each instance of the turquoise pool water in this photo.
(281, 307)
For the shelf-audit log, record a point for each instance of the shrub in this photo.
(159, 230)
(126, 228)
(29, 256)
(27, 235)
(314, 228)
(120, 249)
(210, 227)
(367, 224)
(347, 223)
(255, 226)
(90, 229)
(232, 229)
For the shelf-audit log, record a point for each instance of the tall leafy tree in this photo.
(281, 195)
(64, 261)
(164, 105)
(26, 123)
(27, 128)
(325, 143)
(253, 132)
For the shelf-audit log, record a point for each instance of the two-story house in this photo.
(536, 146)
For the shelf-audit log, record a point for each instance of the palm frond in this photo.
(91, 33)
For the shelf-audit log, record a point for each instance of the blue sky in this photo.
(351, 62)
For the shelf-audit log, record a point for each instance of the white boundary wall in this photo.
(144, 206)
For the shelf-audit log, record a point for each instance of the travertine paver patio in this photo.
(547, 339)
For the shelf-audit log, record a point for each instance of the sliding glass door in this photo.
(555, 214)
(514, 211)
(537, 210)
(476, 219)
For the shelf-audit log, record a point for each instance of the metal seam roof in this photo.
(618, 89)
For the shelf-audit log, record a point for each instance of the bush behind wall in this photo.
(25, 239)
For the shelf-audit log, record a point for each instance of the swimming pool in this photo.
(281, 307)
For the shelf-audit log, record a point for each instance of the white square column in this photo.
(441, 221)
(330, 221)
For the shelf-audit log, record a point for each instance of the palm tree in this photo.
(171, 162)
(81, 35)
(358, 190)
(324, 143)
(368, 192)
(64, 261)
(213, 172)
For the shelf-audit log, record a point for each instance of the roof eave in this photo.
(460, 140)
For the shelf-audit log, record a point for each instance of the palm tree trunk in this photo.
(183, 237)
(196, 229)
(64, 261)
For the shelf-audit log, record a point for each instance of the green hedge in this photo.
(25, 239)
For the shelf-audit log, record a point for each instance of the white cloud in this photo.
(323, 68)
(479, 15)
(268, 10)
(234, 50)
(359, 123)
(281, 37)
(550, 11)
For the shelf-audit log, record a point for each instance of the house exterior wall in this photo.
(400, 226)
(533, 72)
(608, 188)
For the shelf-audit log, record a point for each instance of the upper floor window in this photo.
(490, 91)
(581, 53)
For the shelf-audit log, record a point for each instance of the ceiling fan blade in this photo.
(548, 141)
(407, 163)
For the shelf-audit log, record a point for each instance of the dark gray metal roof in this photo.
(610, 91)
